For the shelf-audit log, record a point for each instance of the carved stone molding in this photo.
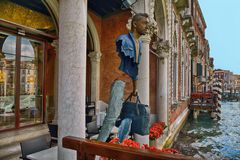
(190, 34)
(55, 45)
(181, 4)
(152, 26)
(185, 12)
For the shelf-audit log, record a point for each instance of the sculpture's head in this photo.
(140, 23)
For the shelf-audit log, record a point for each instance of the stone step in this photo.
(11, 137)
(9, 152)
(10, 141)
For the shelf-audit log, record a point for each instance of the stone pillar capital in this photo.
(152, 27)
(95, 56)
(164, 55)
(146, 39)
(55, 43)
(163, 49)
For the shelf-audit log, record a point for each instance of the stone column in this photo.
(143, 85)
(72, 72)
(144, 72)
(95, 77)
(146, 6)
(143, 82)
(162, 86)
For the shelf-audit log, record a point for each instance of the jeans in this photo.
(114, 109)
(124, 129)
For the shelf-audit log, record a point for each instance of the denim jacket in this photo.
(127, 52)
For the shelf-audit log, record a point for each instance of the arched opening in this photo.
(90, 48)
(159, 16)
(93, 63)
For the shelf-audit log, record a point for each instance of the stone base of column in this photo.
(141, 139)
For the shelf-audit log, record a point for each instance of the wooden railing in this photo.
(87, 149)
(203, 101)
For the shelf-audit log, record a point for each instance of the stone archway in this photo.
(160, 14)
(95, 54)
(94, 34)
(53, 9)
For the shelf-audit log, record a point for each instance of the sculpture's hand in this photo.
(135, 93)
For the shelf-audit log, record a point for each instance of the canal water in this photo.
(211, 139)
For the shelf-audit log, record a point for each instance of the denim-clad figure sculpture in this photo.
(129, 50)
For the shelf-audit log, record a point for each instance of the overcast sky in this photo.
(223, 32)
(9, 46)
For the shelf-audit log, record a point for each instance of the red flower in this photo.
(126, 142)
(165, 150)
(156, 130)
(114, 141)
(170, 150)
(131, 143)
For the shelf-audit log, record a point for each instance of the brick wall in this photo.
(153, 83)
(112, 27)
(180, 108)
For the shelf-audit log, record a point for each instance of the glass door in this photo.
(31, 81)
(21, 81)
(7, 80)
